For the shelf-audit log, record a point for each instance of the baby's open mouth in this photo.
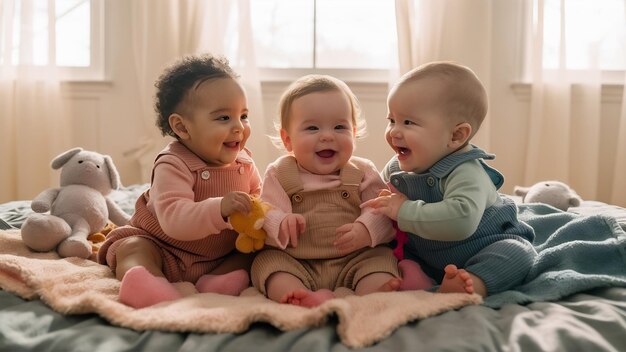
(404, 151)
(326, 153)
(232, 144)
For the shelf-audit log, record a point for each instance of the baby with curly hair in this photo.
(179, 232)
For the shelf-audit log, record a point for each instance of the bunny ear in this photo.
(521, 191)
(61, 159)
(114, 176)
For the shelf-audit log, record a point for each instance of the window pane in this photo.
(595, 33)
(346, 37)
(73, 32)
(73, 22)
(283, 32)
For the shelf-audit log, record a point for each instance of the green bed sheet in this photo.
(590, 321)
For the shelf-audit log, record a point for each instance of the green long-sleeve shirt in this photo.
(467, 192)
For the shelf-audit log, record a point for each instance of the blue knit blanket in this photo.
(576, 253)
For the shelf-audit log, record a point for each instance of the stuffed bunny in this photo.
(554, 193)
(78, 208)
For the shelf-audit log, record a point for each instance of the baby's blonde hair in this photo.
(466, 96)
(309, 84)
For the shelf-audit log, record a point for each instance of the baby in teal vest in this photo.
(461, 232)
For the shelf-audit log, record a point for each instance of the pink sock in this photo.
(413, 278)
(139, 288)
(226, 284)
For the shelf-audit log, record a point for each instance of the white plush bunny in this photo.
(554, 193)
(78, 208)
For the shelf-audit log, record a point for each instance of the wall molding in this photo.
(86, 89)
(610, 93)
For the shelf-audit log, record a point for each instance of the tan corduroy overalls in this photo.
(316, 261)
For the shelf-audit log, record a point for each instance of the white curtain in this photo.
(34, 124)
(570, 137)
(165, 30)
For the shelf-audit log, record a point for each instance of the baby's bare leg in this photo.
(283, 287)
(138, 251)
(139, 269)
(233, 262)
(377, 282)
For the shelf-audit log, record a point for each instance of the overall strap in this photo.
(288, 175)
(351, 175)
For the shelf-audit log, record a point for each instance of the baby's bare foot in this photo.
(456, 280)
(306, 298)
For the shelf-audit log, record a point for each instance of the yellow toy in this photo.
(98, 238)
(250, 227)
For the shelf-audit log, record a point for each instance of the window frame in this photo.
(345, 74)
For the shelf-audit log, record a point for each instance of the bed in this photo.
(585, 310)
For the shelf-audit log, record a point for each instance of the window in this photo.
(324, 34)
(73, 33)
(595, 33)
(78, 44)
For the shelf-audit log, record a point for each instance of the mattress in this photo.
(589, 320)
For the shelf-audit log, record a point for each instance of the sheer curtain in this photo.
(33, 120)
(163, 31)
(570, 137)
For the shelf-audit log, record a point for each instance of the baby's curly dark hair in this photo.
(182, 76)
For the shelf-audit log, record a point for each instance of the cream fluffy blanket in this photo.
(76, 286)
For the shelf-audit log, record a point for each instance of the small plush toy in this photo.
(97, 239)
(78, 208)
(554, 193)
(250, 227)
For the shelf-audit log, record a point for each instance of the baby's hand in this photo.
(387, 203)
(292, 227)
(351, 237)
(235, 201)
